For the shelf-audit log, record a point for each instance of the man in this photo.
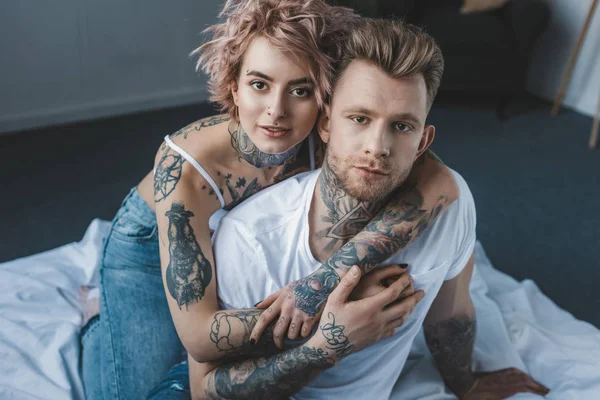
(375, 130)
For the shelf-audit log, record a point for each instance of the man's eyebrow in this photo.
(407, 116)
(299, 81)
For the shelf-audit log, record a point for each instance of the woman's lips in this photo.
(274, 132)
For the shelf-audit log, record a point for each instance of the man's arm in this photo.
(345, 327)
(429, 190)
(450, 331)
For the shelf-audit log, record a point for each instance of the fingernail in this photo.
(257, 304)
(403, 266)
(354, 270)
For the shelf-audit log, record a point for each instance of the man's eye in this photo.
(301, 92)
(359, 120)
(258, 85)
(402, 127)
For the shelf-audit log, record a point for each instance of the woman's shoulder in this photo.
(206, 139)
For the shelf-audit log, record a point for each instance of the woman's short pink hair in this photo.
(309, 30)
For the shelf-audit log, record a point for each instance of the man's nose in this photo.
(377, 143)
(277, 107)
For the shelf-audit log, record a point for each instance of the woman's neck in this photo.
(242, 143)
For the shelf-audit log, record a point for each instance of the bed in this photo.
(518, 326)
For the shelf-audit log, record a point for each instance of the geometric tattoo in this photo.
(167, 174)
(188, 272)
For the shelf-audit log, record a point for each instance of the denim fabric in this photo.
(176, 385)
(134, 343)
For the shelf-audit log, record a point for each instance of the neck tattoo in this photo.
(247, 150)
(346, 216)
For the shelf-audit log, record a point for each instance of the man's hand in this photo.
(349, 326)
(378, 279)
(502, 384)
(299, 306)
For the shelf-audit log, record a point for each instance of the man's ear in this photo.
(426, 139)
(324, 124)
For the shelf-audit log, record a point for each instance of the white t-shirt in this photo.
(262, 245)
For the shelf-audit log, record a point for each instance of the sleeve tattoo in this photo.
(276, 377)
(451, 345)
(189, 272)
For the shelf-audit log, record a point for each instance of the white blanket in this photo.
(40, 318)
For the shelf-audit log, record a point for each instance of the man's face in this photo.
(375, 130)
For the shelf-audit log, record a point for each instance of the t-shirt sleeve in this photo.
(466, 223)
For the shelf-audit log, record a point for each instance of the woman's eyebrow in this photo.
(299, 81)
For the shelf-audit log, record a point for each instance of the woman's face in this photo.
(275, 98)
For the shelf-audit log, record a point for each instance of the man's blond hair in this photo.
(398, 48)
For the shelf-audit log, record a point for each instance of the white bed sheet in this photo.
(40, 318)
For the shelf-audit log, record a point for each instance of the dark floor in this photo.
(535, 183)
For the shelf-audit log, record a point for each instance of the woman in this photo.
(269, 64)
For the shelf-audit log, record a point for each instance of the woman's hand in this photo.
(300, 304)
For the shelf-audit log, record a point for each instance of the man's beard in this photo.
(362, 189)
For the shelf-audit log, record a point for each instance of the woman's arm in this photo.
(429, 190)
(183, 210)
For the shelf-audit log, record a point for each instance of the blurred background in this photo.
(88, 89)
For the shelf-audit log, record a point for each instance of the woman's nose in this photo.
(277, 107)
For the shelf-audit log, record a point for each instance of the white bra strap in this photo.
(196, 165)
(311, 150)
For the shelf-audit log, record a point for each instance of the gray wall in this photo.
(552, 54)
(67, 60)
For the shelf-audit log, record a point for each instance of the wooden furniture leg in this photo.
(595, 128)
(573, 60)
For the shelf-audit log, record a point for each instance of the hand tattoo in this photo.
(336, 339)
(311, 292)
(189, 272)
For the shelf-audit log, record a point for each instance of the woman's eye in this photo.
(402, 127)
(301, 92)
(359, 120)
(258, 85)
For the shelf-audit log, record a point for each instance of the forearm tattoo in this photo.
(189, 272)
(400, 222)
(230, 332)
(311, 292)
(336, 339)
(451, 345)
(276, 377)
(241, 142)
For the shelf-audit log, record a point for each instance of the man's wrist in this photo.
(319, 344)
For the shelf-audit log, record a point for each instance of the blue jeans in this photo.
(176, 385)
(131, 347)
